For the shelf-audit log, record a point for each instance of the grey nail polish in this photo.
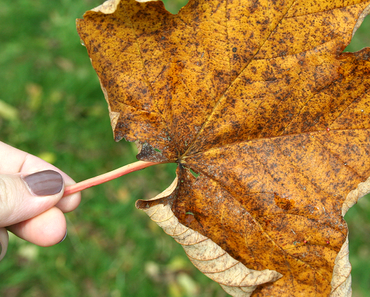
(44, 183)
(65, 235)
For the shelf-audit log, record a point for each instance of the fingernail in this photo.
(1, 251)
(65, 235)
(44, 183)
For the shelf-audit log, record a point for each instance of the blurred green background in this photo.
(51, 105)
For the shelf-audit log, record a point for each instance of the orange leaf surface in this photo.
(258, 98)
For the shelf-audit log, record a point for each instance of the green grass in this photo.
(54, 108)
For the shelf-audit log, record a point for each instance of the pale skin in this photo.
(37, 219)
(34, 195)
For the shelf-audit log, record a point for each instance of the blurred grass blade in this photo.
(8, 112)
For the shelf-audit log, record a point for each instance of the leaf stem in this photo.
(97, 180)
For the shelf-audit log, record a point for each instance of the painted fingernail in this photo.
(1, 251)
(65, 235)
(44, 183)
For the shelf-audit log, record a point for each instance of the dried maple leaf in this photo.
(258, 98)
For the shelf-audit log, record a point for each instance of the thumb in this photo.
(25, 196)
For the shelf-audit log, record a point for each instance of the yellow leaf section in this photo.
(234, 277)
(352, 198)
(341, 280)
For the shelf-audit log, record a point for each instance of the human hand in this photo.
(31, 203)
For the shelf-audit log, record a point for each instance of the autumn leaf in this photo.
(258, 98)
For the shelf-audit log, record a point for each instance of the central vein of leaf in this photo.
(209, 118)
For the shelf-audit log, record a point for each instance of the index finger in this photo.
(14, 161)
